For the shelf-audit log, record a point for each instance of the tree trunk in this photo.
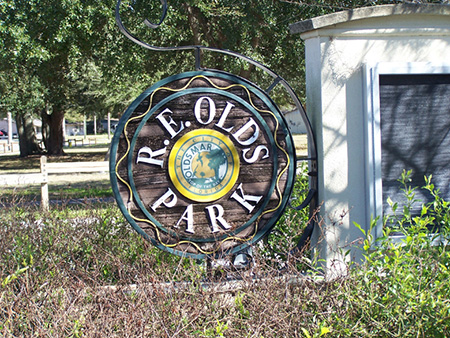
(45, 127)
(28, 143)
(53, 126)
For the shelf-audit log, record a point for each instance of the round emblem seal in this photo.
(202, 163)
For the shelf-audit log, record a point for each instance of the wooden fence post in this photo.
(44, 184)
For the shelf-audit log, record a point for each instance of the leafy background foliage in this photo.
(70, 55)
(67, 58)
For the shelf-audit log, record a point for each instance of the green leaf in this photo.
(324, 330)
(360, 228)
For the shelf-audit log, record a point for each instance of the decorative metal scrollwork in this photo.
(311, 199)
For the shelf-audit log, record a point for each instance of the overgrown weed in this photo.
(83, 272)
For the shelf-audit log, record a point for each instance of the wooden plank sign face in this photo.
(202, 163)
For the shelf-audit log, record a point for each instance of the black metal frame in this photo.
(311, 198)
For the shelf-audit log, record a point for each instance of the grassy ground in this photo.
(61, 187)
(85, 273)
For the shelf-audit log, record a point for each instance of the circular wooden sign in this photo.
(202, 163)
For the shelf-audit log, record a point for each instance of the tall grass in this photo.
(83, 272)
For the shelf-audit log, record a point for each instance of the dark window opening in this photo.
(415, 134)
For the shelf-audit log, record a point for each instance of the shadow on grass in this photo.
(15, 163)
(99, 189)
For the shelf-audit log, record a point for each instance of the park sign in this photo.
(202, 164)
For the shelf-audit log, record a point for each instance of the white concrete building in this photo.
(347, 53)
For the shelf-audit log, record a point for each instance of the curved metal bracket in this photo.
(307, 232)
(308, 199)
(127, 33)
(277, 79)
(163, 16)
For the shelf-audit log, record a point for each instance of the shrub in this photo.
(403, 285)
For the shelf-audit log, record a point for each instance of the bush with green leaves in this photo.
(403, 284)
(292, 222)
(434, 215)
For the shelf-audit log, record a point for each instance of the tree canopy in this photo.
(64, 57)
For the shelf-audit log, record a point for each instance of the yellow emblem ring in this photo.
(203, 165)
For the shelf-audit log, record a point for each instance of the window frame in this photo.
(372, 72)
